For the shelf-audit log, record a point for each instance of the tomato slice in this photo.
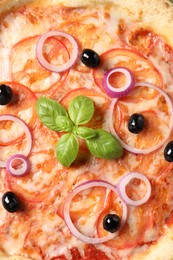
(156, 114)
(23, 98)
(32, 187)
(27, 70)
(85, 205)
(22, 106)
(142, 68)
(101, 103)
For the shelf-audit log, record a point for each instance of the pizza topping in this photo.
(42, 60)
(118, 92)
(90, 58)
(100, 143)
(67, 217)
(10, 202)
(5, 94)
(168, 152)
(136, 123)
(167, 134)
(121, 188)
(18, 165)
(27, 131)
(111, 223)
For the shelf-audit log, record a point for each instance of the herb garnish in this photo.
(100, 143)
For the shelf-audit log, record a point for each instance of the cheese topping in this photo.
(39, 231)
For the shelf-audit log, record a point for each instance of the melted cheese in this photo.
(47, 229)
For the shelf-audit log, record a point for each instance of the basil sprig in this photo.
(100, 143)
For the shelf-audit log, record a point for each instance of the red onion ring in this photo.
(45, 63)
(128, 147)
(121, 188)
(125, 89)
(20, 171)
(26, 130)
(67, 218)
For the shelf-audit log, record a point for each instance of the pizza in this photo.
(86, 140)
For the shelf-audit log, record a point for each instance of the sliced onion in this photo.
(45, 63)
(67, 218)
(155, 147)
(125, 89)
(26, 130)
(121, 188)
(20, 171)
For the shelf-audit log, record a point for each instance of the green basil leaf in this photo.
(48, 110)
(67, 149)
(104, 145)
(81, 110)
(64, 124)
(85, 132)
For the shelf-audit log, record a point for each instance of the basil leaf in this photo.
(67, 149)
(85, 132)
(48, 110)
(81, 110)
(64, 124)
(104, 145)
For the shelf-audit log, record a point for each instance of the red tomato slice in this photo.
(156, 116)
(27, 70)
(22, 106)
(101, 102)
(23, 98)
(86, 204)
(133, 231)
(32, 187)
(142, 68)
(86, 207)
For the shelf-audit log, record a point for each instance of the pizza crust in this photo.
(159, 18)
(6, 5)
(160, 251)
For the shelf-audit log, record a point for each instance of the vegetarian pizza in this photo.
(86, 119)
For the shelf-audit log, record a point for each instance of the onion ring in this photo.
(43, 62)
(121, 188)
(125, 89)
(66, 211)
(20, 171)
